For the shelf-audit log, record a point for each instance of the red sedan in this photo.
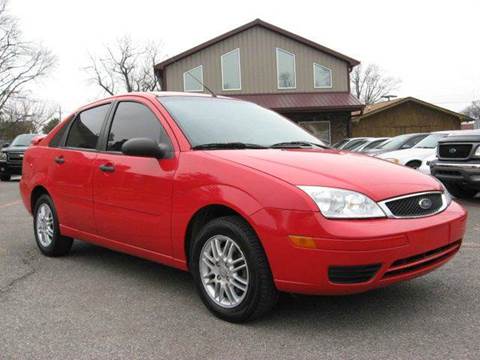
(241, 197)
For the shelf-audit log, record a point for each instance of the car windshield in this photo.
(395, 142)
(22, 140)
(374, 144)
(207, 120)
(431, 141)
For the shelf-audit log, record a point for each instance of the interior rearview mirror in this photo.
(144, 147)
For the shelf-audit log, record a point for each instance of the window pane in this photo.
(86, 128)
(189, 82)
(285, 69)
(134, 120)
(320, 129)
(55, 142)
(322, 76)
(231, 70)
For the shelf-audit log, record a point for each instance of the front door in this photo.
(133, 194)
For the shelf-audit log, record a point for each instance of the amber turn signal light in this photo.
(303, 241)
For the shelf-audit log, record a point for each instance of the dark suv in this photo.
(458, 164)
(11, 156)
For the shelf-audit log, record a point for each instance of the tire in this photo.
(5, 177)
(461, 192)
(258, 296)
(46, 229)
(414, 164)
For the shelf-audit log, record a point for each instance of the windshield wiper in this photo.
(298, 144)
(230, 145)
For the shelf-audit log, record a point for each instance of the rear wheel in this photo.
(5, 177)
(461, 192)
(231, 271)
(414, 164)
(47, 231)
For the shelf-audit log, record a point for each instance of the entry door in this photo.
(71, 170)
(133, 195)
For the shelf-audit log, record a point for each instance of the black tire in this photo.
(60, 245)
(461, 192)
(261, 294)
(414, 164)
(5, 177)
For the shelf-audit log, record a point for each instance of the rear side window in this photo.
(57, 139)
(86, 127)
(134, 120)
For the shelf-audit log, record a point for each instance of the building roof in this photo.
(304, 101)
(372, 109)
(257, 22)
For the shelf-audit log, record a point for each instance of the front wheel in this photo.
(231, 271)
(47, 230)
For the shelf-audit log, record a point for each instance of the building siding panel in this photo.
(258, 64)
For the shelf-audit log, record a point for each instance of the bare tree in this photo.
(125, 67)
(473, 110)
(369, 85)
(21, 62)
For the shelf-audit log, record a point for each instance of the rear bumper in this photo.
(461, 172)
(390, 250)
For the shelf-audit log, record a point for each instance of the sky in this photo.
(431, 46)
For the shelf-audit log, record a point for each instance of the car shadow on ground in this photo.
(397, 303)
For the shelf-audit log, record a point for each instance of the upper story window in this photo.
(286, 77)
(231, 75)
(193, 79)
(322, 77)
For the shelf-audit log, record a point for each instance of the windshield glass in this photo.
(212, 120)
(374, 144)
(23, 140)
(395, 142)
(430, 142)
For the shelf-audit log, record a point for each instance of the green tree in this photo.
(50, 125)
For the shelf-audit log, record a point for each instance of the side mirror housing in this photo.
(144, 147)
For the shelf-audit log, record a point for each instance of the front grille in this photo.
(454, 151)
(15, 156)
(415, 205)
(448, 173)
(423, 260)
(352, 274)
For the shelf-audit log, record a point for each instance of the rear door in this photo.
(71, 169)
(133, 194)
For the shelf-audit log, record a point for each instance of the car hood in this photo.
(15, 149)
(376, 178)
(408, 154)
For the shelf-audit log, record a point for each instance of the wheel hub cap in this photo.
(224, 271)
(44, 225)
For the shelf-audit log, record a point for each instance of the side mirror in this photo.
(144, 147)
(5, 145)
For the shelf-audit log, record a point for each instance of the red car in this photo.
(244, 199)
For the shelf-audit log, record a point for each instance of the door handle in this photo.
(107, 168)
(59, 159)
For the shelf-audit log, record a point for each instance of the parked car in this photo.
(11, 156)
(371, 144)
(354, 142)
(348, 143)
(234, 193)
(419, 154)
(399, 142)
(458, 164)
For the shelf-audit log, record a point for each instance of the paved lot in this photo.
(96, 303)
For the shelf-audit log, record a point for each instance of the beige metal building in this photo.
(274, 68)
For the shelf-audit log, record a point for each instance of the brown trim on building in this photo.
(257, 22)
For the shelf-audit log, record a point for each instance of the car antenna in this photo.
(201, 83)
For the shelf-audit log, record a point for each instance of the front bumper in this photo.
(396, 249)
(10, 169)
(461, 172)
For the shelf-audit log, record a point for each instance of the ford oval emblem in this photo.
(425, 203)
(452, 150)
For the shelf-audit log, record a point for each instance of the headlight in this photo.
(395, 161)
(3, 156)
(343, 204)
(446, 194)
(477, 152)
